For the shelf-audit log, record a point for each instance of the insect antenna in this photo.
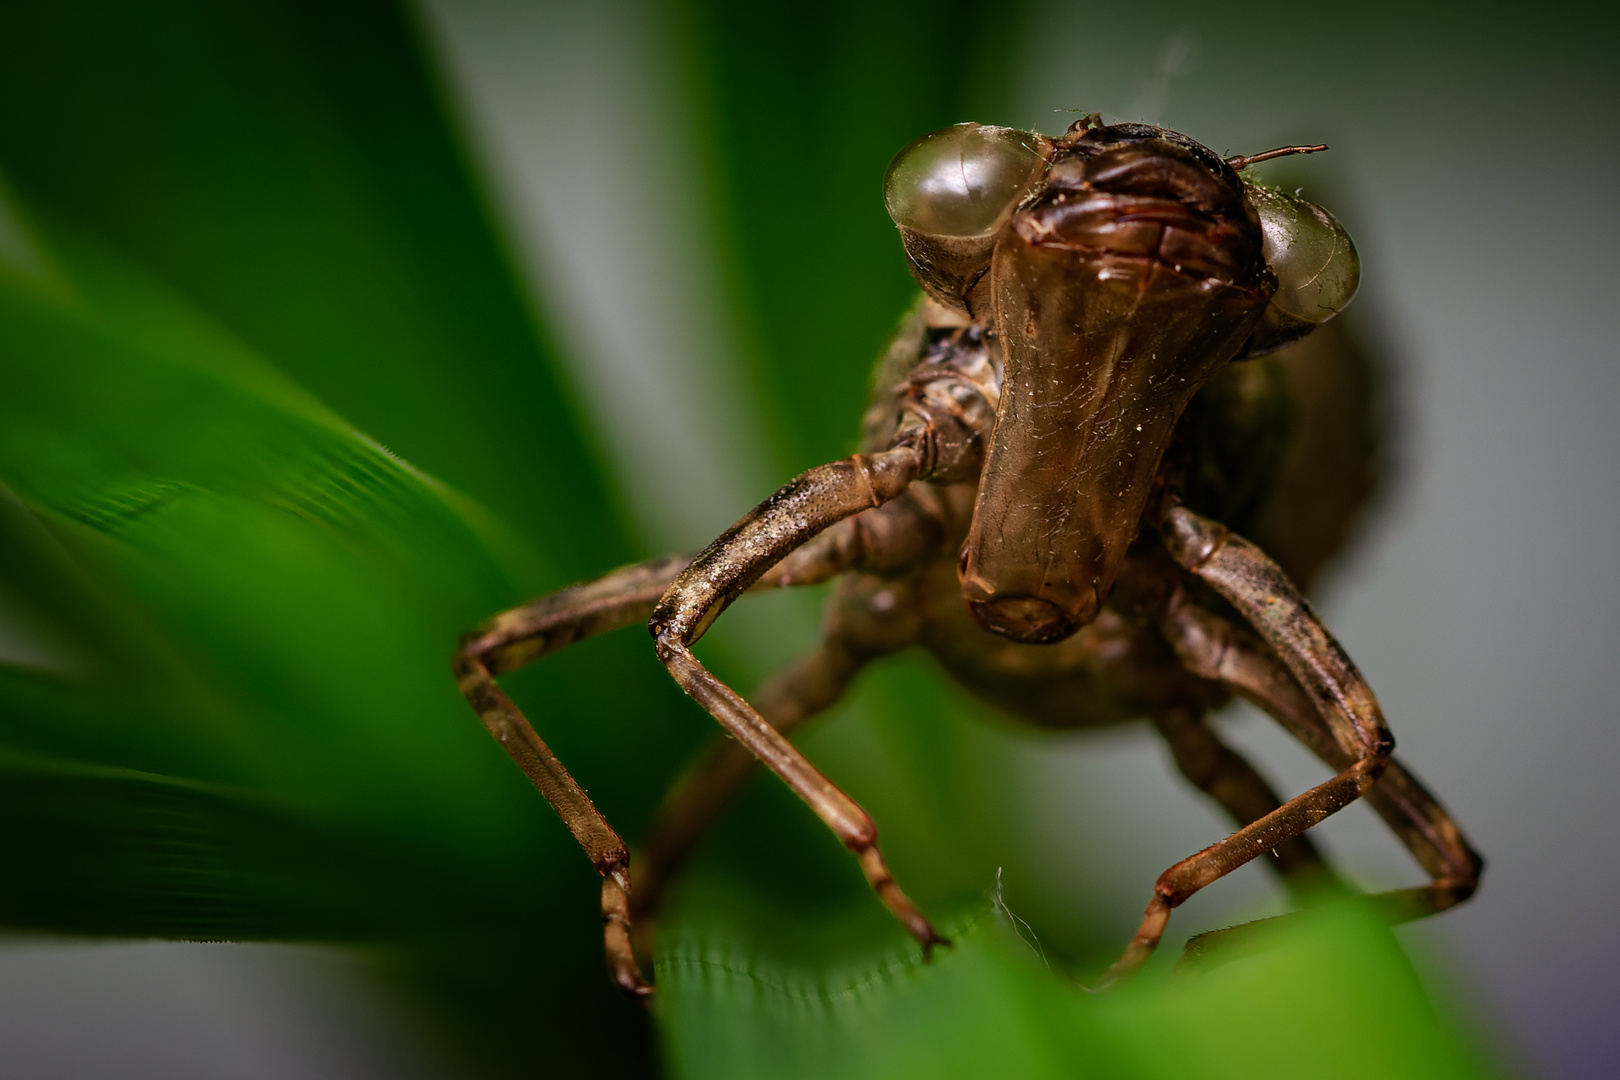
(1239, 161)
(1086, 123)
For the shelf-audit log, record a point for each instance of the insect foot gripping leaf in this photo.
(1025, 509)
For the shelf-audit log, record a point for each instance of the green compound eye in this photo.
(1316, 264)
(956, 182)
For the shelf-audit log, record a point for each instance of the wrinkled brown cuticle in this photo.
(1027, 619)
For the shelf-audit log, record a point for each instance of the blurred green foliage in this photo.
(241, 253)
(801, 109)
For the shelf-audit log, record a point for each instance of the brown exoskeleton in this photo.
(1033, 505)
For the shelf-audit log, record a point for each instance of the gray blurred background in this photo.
(1474, 159)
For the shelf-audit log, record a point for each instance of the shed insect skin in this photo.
(1058, 447)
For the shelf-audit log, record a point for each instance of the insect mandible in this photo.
(1031, 505)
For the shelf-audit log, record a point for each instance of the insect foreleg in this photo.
(868, 618)
(1256, 586)
(804, 507)
(1214, 648)
(808, 685)
(1247, 579)
(818, 499)
(939, 436)
(889, 540)
(1315, 690)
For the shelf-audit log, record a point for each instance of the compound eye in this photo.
(1316, 264)
(956, 182)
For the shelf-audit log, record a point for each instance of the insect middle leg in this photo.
(619, 599)
(1223, 774)
(514, 638)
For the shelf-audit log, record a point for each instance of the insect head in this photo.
(1118, 267)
